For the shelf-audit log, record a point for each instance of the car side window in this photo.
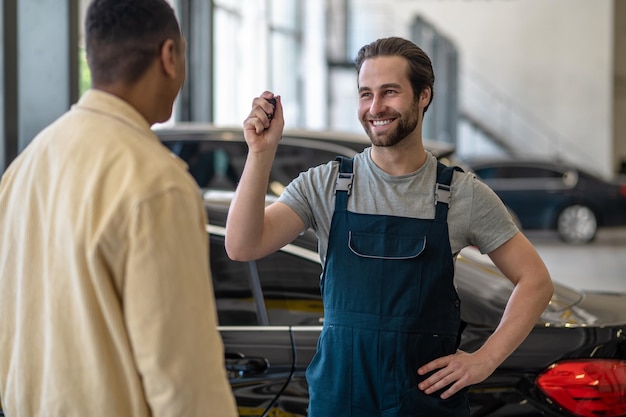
(291, 160)
(485, 173)
(291, 289)
(212, 164)
(218, 164)
(516, 172)
(231, 283)
(533, 172)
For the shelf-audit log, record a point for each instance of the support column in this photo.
(8, 83)
(619, 86)
(195, 100)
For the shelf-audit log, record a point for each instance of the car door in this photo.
(534, 194)
(290, 281)
(259, 358)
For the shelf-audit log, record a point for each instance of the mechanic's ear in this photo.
(425, 96)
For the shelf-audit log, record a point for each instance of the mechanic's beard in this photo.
(391, 136)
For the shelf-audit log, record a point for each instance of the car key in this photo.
(273, 102)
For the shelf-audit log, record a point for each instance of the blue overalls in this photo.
(390, 306)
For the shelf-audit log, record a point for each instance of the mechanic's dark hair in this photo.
(420, 71)
(123, 37)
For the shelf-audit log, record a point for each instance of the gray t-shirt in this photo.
(476, 216)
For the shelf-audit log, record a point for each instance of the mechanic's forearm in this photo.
(527, 302)
(244, 225)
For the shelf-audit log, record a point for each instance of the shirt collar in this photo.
(106, 103)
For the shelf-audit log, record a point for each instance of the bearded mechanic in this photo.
(390, 222)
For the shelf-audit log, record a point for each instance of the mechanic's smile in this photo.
(377, 123)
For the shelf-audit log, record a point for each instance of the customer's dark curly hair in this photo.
(123, 37)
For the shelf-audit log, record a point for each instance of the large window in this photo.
(230, 48)
(285, 66)
(256, 47)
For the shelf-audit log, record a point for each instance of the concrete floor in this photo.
(598, 266)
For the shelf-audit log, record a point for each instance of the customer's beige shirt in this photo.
(106, 300)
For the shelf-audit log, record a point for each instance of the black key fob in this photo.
(273, 102)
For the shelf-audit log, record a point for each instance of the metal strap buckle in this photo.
(442, 194)
(344, 182)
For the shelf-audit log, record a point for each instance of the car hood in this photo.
(598, 309)
(568, 307)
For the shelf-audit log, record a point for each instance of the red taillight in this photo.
(622, 190)
(587, 388)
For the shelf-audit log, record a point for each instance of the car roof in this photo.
(477, 161)
(355, 141)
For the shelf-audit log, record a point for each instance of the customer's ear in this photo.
(167, 56)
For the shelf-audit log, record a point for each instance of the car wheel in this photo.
(577, 224)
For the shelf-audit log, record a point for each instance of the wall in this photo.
(548, 60)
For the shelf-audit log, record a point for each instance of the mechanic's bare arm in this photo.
(520, 263)
(252, 230)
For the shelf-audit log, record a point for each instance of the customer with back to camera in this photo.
(108, 305)
(389, 235)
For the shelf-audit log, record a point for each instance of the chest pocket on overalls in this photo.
(384, 246)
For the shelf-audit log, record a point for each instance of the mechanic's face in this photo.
(388, 110)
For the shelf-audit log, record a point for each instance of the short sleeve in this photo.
(491, 224)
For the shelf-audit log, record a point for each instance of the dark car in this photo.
(555, 196)
(271, 313)
(216, 155)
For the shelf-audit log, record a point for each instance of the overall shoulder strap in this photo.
(442, 189)
(343, 186)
